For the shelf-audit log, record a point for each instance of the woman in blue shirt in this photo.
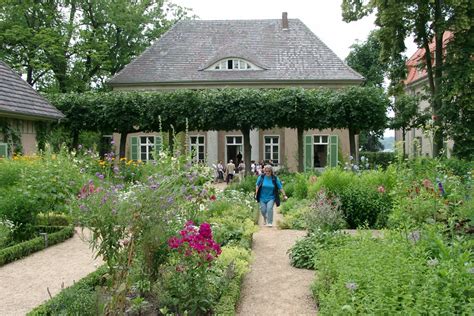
(266, 192)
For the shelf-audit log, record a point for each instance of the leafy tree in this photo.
(427, 21)
(301, 109)
(358, 109)
(365, 59)
(405, 108)
(237, 109)
(78, 44)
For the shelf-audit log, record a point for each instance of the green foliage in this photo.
(53, 219)
(56, 54)
(378, 159)
(332, 180)
(305, 251)
(23, 249)
(430, 190)
(247, 185)
(294, 212)
(394, 275)
(9, 172)
(300, 187)
(78, 299)
(325, 214)
(365, 207)
(364, 58)
(234, 261)
(448, 70)
(20, 210)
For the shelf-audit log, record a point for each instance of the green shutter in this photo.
(134, 147)
(333, 151)
(158, 146)
(3, 150)
(308, 153)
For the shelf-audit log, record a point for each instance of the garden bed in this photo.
(55, 235)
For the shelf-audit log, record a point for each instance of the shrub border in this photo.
(229, 299)
(90, 281)
(26, 248)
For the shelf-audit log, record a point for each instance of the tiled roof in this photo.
(18, 98)
(416, 68)
(182, 53)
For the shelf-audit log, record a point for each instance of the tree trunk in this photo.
(352, 143)
(438, 73)
(75, 139)
(123, 144)
(299, 133)
(403, 140)
(247, 149)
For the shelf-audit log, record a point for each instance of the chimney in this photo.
(284, 20)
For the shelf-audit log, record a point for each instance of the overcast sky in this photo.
(323, 17)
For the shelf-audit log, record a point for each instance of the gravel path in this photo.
(273, 287)
(24, 283)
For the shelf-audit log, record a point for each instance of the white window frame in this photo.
(320, 142)
(149, 150)
(233, 143)
(272, 145)
(194, 147)
(238, 64)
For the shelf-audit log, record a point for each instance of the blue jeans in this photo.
(266, 208)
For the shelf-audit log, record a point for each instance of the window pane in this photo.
(275, 148)
(201, 140)
(267, 149)
(316, 139)
(229, 64)
(324, 139)
(230, 140)
(143, 156)
(143, 139)
(267, 156)
(267, 140)
(151, 139)
(238, 139)
(275, 155)
(192, 139)
(275, 140)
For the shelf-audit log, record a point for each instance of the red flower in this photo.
(213, 197)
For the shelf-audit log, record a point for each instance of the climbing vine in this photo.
(11, 136)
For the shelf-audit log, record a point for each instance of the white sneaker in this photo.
(269, 225)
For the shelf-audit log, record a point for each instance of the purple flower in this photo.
(170, 200)
(112, 142)
(99, 175)
(116, 170)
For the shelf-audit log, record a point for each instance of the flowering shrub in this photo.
(189, 280)
(325, 213)
(196, 243)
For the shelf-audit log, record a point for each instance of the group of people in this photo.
(228, 172)
(267, 188)
(257, 167)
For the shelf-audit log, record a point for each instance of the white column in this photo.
(212, 148)
(254, 141)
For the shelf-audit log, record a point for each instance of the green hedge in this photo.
(52, 219)
(379, 158)
(25, 248)
(76, 299)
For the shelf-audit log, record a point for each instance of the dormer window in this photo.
(233, 64)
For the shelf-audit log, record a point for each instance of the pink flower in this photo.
(381, 189)
(205, 230)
